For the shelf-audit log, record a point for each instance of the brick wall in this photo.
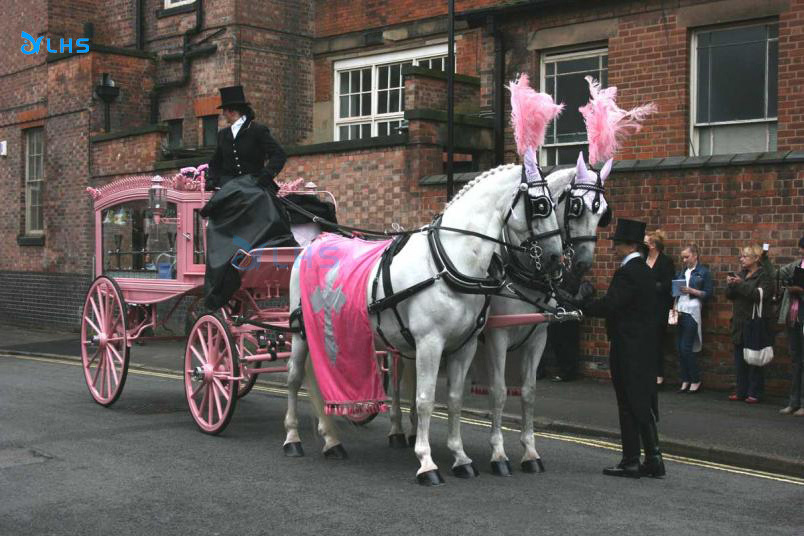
(125, 156)
(42, 300)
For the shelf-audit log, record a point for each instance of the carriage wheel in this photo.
(104, 341)
(247, 346)
(209, 369)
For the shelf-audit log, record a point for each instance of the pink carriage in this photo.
(150, 248)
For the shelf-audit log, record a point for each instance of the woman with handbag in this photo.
(698, 288)
(752, 286)
(662, 270)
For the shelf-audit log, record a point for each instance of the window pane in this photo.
(175, 134)
(738, 36)
(366, 104)
(393, 105)
(365, 130)
(772, 135)
(382, 129)
(354, 106)
(355, 85)
(344, 111)
(354, 132)
(569, 154)
(343, 133)
(737, 85)
(703, 86)
(438, 64)
(210, 130)
(366, 85)
(573, 91)
(583, 64)
(773, 74)
(550, 68)
(728, 139)
(344, 83)
(383, 83)
(395, 75)
(382, 102)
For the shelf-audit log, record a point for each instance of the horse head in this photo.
(581, 208)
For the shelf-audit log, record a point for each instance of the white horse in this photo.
(442, 318)
(580, 207)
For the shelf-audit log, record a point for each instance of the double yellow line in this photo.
(595, 443)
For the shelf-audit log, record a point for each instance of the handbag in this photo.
(672, 316)
(757, 339)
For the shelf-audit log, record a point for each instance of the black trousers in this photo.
(661, 332)
(632, 430)
(564, 338)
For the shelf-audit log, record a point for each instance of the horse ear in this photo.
(581, 172)
(532, 166)
(604, 173)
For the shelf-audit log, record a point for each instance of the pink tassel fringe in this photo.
(355, 408)
(531, 112)
(607, 125)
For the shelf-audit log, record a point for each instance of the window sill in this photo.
(178, 10)
(29, 240)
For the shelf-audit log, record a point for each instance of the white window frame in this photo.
(176, 3)
(30, 230)
(555, 57)
(695, 127)
(374, 62)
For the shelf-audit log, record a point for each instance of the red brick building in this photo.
(355, 91)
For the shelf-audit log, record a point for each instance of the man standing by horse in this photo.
(628, 309)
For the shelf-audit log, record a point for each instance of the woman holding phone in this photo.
(662, 270)
(697, 288)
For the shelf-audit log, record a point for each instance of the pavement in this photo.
(703, 426)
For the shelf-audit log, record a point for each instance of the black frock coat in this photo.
(629, 309)
(246, 155)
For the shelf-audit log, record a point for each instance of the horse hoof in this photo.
(430, 478)
(397, 441)
(336, 453)
(412, 441)
(293, 450)
(533, 466)
(501, 468)
(467, 470)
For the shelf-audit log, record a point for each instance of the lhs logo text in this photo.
(31, 45)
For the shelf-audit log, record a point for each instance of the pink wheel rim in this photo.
(104, 342)
(208, 374)
(244, 351)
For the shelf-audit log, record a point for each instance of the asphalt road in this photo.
(69, 466)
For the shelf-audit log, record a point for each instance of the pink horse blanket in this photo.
(334, 273)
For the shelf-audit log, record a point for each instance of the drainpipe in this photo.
(139, 24)
(498, 103)
(187, 54)
(450, 96)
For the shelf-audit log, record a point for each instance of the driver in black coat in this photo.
(629, 310)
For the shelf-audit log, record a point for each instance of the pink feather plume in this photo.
(531, 112)
(607, 125)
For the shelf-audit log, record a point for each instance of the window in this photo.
(34, 175)
(370, 92)
(563, 78)
(734, 97)
(176, 3)
(175, 133)
(209, 126)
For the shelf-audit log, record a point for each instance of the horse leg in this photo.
(531, 356)
(495, 350)
(457, 367)
(298, 355)
(326, 426)
(408, 391)
(396, 436)
(428, 356)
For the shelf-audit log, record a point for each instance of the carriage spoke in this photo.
(204, 347)
(221, 388)
(113, 369)
(210, 395)
(98, 371)
(92, 325)
(108, 377)
(196, 390)
(96, 309)
(93, 358)
(198, 355)
(116, 355)
(217, 403)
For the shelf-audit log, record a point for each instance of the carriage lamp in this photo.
(157, 198)
(310, 186)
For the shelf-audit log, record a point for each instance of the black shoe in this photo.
(628, 470)
(653, 467)
(684, 389)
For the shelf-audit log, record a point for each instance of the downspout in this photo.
(186, 55)
(139, 24)
(498, 103)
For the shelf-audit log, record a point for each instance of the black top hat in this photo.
(232, 96)
(629, 231)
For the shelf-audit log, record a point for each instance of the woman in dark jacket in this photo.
(743, 291)
(662, 270)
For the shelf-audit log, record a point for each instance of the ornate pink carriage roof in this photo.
(178, 182)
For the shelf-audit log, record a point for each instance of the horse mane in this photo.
(469, 185)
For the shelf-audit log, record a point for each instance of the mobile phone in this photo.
(765, 247)
(732, 274)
